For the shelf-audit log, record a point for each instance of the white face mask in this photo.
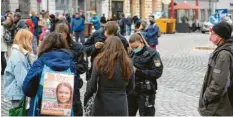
(30, 15)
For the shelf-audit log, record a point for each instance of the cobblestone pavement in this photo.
(180, 84)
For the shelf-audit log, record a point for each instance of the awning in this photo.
(185, 6)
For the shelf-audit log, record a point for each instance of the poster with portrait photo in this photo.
(57, 94)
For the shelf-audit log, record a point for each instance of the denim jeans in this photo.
(81, 35)
(34, 45)
(129, 30)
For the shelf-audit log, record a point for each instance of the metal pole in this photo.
(47, 5)
(197, 3)
(172, 9)
(210, 7)
(95, 5)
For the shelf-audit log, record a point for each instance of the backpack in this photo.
(7, 37)
(50, 81)
(230, 86)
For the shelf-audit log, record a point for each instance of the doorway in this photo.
(117, 9)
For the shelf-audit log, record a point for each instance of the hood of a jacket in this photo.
(58, 60)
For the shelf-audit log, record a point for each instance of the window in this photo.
(5, 6)
(62, 1)
(202, 15)
(231, 12)
(209, 12)
(24, 6)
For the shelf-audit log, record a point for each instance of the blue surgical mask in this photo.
(137, 50)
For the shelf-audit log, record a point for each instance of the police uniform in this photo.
(149, 68)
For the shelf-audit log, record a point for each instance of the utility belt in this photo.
(145, 86)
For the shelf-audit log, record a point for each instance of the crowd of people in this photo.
(123, 75)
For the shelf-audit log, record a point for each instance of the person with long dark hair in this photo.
(96, 41)
(113, 72)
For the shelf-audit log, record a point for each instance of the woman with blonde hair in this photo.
(17, 67)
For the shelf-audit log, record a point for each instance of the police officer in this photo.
(148, 68)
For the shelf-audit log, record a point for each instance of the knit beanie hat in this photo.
(52, 16)
(223, 30)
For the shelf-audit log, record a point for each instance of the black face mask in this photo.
(151, 22)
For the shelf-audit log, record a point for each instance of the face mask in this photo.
(214, 39)
(137, 50)
(30, 15)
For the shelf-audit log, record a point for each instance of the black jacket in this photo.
(111, 95)
(103, 20)
(78, 51)
(98, 36)
(148, 64)
(216, 94)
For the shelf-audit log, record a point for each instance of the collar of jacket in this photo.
(15, 46)
(142, 51)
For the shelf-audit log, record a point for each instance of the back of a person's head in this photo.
(53, 41)
(112, 52)
(111, 27)
(61, 28)
(137, 37)
(143, 25)
(33, 12)
(61, 17)
(23, 38)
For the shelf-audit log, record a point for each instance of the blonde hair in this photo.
(33, 13)
(23, 38)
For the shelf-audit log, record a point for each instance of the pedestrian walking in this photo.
(142, 29)
(152, 33)
(53, 21)
(17, 67)
(96, 41)
(35, 21)
(9, 32)
(103, 19)
(31, 28)
(82, 15)
(137, 23)
(129, 25)
(113, 71)
(78, 27)
(53, 53)
(216, 98)
(78, 51)
(122, 25)
(47, 21)
(148, 68)
(95, 21)
(19, 23)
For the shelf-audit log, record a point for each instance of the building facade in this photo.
(26, 5)
(114, 8)
(207, 7)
